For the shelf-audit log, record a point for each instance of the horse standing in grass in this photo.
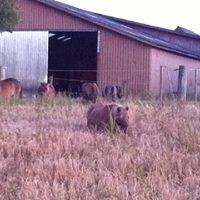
(110, 117)
(46, 90)
(90, 91)
(112, 92)
(9, 88)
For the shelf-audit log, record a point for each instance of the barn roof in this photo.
(178, 31)
(184, 31)
(121, 28)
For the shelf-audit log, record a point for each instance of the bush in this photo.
(9, 15)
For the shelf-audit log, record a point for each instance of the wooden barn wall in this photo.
(170, 78)
(25, 55)
(123, 60)
(120, 58)
(37, 16)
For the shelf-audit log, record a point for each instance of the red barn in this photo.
(73, 44)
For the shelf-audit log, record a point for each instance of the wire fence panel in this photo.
(170, 82)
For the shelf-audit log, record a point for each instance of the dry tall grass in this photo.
(47, 152)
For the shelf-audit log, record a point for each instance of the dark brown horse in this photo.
(10, 88)
(90, 91)
(112, 92)
(46, 90)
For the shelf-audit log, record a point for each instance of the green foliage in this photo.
(9, 15)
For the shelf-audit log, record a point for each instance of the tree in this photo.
(9, 15)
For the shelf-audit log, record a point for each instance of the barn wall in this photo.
(170, 79)
(37, 16)
(123, 60)
(120, 58)
(25, 54)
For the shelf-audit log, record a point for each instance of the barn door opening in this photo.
(72, 59)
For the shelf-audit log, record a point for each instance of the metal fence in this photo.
(180, 83)
(73, 79)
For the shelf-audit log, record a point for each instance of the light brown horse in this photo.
(9, 88)
(109, 116)
(46, 90)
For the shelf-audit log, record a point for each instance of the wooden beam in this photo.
(196, 84)
(2, 72)
(161, 83)
(182, 82)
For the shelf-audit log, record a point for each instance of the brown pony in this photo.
(90, 91)
(109, 117)
(46, 90)
(112, 92)
(10, 88)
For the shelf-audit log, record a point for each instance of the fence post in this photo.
(182, 82)
(50, 79)
(2, 72)
(124, 89)
(161, 83)
(196, 83)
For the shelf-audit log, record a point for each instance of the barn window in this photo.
(72, 59)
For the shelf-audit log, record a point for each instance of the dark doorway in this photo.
(72, 59)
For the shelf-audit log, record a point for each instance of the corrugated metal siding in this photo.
(192, 43)
(172, 61)
(120, 58)
(25, 54)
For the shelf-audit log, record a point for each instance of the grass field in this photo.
(47, 152)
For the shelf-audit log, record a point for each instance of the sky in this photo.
(162, 13)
